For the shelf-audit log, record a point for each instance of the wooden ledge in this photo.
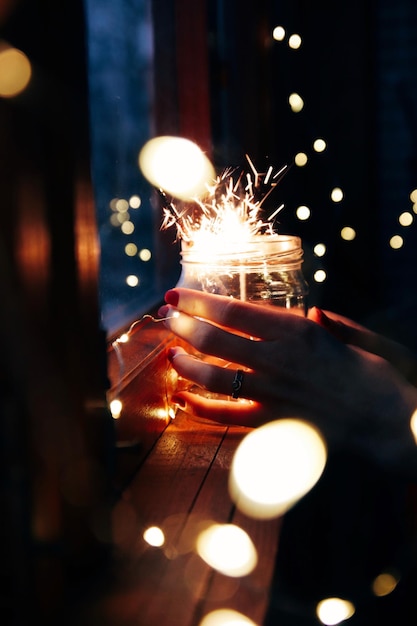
(173, 474)
(181, 486)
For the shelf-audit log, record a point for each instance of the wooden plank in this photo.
(182, 487)
(162, 494)
(248, 594)
(187, 578)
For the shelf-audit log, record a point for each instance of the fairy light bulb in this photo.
(228, 549)
(226, 617)
(274, 466)
(154, 536)
(348, 233)
(319, 276)
(294, 41)
(15, 71)
(296, 102)
(278, 33)
(116, 408)
(331, 611)
(319, 145)
(176, 165)
(336, 194)
(116, 405)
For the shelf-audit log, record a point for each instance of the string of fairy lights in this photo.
(406, 216)
(15, 75)
(218, 543)
(122, 220)
(122, 210)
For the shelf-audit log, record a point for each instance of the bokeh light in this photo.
(122, 216)
(303, 212)
(406, 218)
(15, 71)
(396, 242)
(296, 102)
(127, 227)
(132, 280)
(384, 584)
(413, 425)
(226, 617)
(274, 466)
(294, 41)
(413, 196)
(228, 549)
(300, 159)
(348, 233)
(332, 611)
(336, 194)
(319, 145)
(320, 276)
(115, 408)
(121, 205)
(278, 33)
(319, 249)
(135, 202)
(154, 536)
(145, 254)
(131, 249)
(177, 166)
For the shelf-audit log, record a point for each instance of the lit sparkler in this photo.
(230, 212)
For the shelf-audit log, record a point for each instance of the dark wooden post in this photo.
(56, 431)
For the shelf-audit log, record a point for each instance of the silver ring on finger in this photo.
(237, 383)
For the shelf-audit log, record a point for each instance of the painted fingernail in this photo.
(322, 318)
(338, 329)
(170, 354)
(163, 311)
(172, 297)
(178, 401)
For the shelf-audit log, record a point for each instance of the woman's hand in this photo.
(356, 335)
(356, 393)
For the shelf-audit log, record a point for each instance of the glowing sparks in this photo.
(231, 211)
(213, 211)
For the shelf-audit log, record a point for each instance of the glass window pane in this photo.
(120, 56)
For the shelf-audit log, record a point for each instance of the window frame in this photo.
(181, 108)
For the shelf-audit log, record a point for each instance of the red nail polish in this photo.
(163, 311)
(178, 401)
(172, 297)
(322, 318)
(336, 328)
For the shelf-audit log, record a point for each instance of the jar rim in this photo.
(285, 247)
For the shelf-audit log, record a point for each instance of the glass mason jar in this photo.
(265, 270)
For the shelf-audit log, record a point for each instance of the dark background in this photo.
(355, 71)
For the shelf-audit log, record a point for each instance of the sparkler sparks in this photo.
(232, 210)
